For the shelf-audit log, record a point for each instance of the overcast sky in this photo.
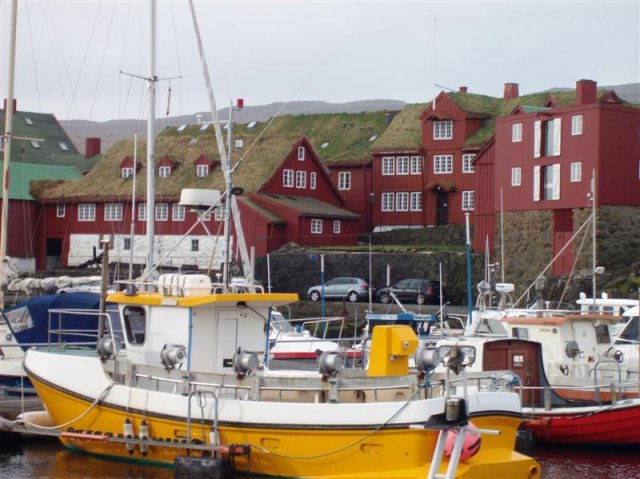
(70, 53)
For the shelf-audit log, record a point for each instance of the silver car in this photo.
(353, 289)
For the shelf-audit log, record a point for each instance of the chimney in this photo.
(15, 105)
(586, 92)
(463, 89)
(92, 147)
(510, 91)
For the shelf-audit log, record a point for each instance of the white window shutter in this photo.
(555, 195)
(536, 183)
(556, 136)
(537, 138)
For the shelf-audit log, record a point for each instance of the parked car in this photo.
(353, 289)
(420, 291)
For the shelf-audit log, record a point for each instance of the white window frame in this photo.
(516, 176)
(402, 165)
(301, 153)
(576, 125)
(316, 227)
(126, 172)
(443, 130)
(287, 178)
(402, 201)
(113, 212)
(467, 163)
(162, 211)
(164, 171)
(552, 185)
(468, 200)
(415, 201)
(142, 212)
(61, 210)
(218, 213)
(387, 201)
(344, 180)
(576, 172)
(301, 179)
(337, 226)
(178, 212)
(442, 164)
(86, 212)
(516, 133)
(388, 165)
(416, 165)
(312, 180)
(202, 171)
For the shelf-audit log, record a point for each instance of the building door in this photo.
(54, 252)
(442, 207)
(564, 262)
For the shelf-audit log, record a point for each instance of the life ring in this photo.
(564, 369)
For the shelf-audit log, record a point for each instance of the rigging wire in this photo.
(122, 50)
(58, 54)
(33, 58)
(175, 42)
(104, 54)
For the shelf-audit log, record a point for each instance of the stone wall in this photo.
(445, 234)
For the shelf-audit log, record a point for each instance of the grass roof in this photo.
(405, 130)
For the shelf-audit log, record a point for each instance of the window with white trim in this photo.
(402, 165)
(142, 212)
(402, 201)
(516, 176)
(204, 216)
(316, 227)
(551, 182)
(415, 203)
(416, 165)
(113, 212)
(287, 178)
(516, 133)
(344, 180)
(178, 212)
(388, 163)
(164, 171)
(86, 212)
(442, 164)
(387, 201)
(468, 200)
(576, 125)
(312, 180)
(126, 172)
(301, 153)
(162, 211)
(337, 225)
(202, 171)
(442, 130)
(60, 210)
(301, 179)
(576, 172)
(467, 163)
(218, 214)
(546, 138)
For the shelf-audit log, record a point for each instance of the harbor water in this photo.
(47, 459)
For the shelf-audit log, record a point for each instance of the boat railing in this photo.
(595, 374)
(55, 334)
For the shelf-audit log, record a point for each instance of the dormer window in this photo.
(63, 146)
(35, 144)
(442, 130)
(202, 171)
(127, 172)
(28, 121)
(301, 153)
(164, 171)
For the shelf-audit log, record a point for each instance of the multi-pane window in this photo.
(387, 201)
(442, 130)
(402, 167)
(336, 227)
(177, 212)
(113, 212)
(442, 164)
(312, 180)
(218, 214)
(287, 178)
(416, 165)
(344, 180)
(60, 210)
(195, 245)
(402, 201)
(468, 200)
(416, 201)
(301, 179)
(162, 211)
(576, 125)
(576, 172)
(316, 227)
(202, 171)
(467, 163)
(142, 212)
(127, 172)
(86, 212)
(164, 171)
(388, 165)
(516, 132)
(301, 153)
(126, 243)
(516, 176)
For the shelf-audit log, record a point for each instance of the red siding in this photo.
(21, 228)
(484, 218)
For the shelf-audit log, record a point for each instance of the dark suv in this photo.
(420, 291)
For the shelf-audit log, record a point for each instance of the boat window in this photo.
(630, 332)
(135, 323)
(520, 333)
(19, 320)
(602, 334)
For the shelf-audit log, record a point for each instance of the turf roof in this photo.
(404, 132)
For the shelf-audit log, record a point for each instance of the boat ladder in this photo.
(439, 453)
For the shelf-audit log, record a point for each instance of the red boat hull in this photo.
(601, 425)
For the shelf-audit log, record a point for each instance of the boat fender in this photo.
(144, 435)
(471, 445)
(564, 369)
(128, 434)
